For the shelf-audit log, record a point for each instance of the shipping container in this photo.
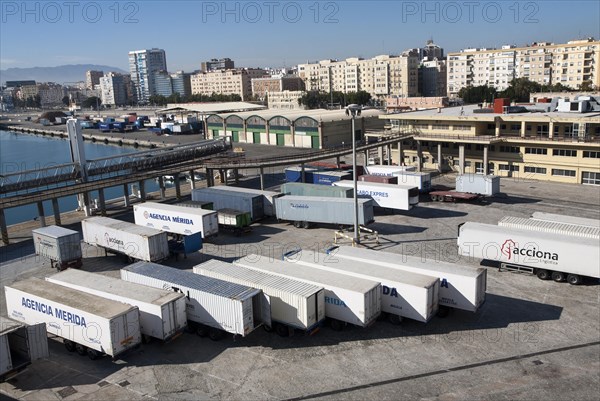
(487, 185)
(213, 306)
(234, 218)
(136, 242)
(390, 196)
(20, 345)
(415, 179)
(62, 246)
(352, 300)
(329, 177)
(268, 197)
(197, 204)
(162, 313)
(387, 170)
(461, 287)
(326, 191)
(303, 210)
(176, 219)
(86, 323)
(381, 179)
(550, 227)
(294, 174)
(559, 218)
(294, 304)
(225, 199)
(548, 255)
(410, 295)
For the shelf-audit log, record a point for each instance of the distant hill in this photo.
(60, 74)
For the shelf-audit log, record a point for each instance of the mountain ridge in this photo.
(60, 74)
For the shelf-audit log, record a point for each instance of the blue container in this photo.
(105, 127)
(294, 174)
(329, 177)
(192, 243)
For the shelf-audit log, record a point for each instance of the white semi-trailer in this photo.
(573, 230)
(20, 345)
(548, 255)
(87, 323)
(176, 219)
(162, 313)
(461, 287)
(389, 196)
(559, 218)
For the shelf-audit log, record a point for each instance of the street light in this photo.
(353, 110)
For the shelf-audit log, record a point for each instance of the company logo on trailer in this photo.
(146, 214)
(509, 248)
(164, 217)
(110, 240)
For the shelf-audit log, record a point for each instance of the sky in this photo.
(274, 33)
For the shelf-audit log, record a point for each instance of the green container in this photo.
(234, 218)
(326, 191)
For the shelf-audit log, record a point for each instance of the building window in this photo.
(509, 149)
(467, 164)
(478, 147)
(564, 152)
(508, 167)
(455, 162)
(515, 127)
(536, 151)
(590, 178)
(535, 170)
(468, 146)
(563, 173)
(445, 145)
(591, 154)
(491, 126)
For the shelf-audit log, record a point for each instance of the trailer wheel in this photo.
(297, 224)
(202, 330)
(81, 350)
(574, 279)
(558, 276)
(268, 329)
(69, 345)
(443, 311)
(336, 325)
(434, 198)
(282, 330)
(215, 334)
(394, 319)
(543, 274)
(305, 224)
(93, 354)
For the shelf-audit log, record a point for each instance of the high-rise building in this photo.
(431, 51)
(432, 78)
(226, 82)
(570, 64)
(217, 64)
(92, 78)
(162, 84)
(143, 64)
(181, 83)
(112, 89)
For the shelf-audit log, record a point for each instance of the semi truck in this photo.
(348, 300)
(295, 305)
(389, 196)
(62, 246)
(214, 307)
(20, 345)
(408, 295)
(87, 323)
(547, 255)
(303, 211)
(162, 313)
(461, 287)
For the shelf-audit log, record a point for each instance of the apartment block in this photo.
(92, 78)
(285, 100)
(112, 89)
(261, 86)
(217, 64)
(143, 64)
(226, 82)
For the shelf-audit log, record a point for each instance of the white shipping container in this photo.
(57, 243)
(550, 227)
(410, 295)
(162, 313)
(20, 345)
(478, 184)
(137, 242)
(414, 179)
(268, 196)
(547, 251)
(97, 323)
(293, 303)
(233, 308)
(351, 300)
(176, 219)
(559, 218)
(461, 287)
(391, 196)
(387, 170)
(317, 209)
(226, 199)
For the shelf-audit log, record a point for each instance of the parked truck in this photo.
(87, 323)
(162, 313)
(131, 240)
(461, 287)
(550, 227)
(268, 197)
(176, 219)
(295, 305)
(348, 300)
(62, 246)
(302, 211)
(327, 191)
(389, 196)
(547, 255)
(227, 199)
(213, 306)
(20, 345)
(234, 221)
(410, 295)
(559, 218)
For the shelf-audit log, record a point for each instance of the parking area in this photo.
(531, 339)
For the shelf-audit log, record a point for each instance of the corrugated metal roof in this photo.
(261, 279)
(550, 227)
(211, 108)
(559, 218)
(191, 280)
(125, 226)
(246, 190)
(316, 114)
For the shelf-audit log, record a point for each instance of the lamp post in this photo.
(354, 110)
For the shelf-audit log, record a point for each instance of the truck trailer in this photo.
(487, 185)
(573, 230)
(176, 219)
(304, 210)
(62, 246)
(227, 199)
(414, 179)
(547, 255)
(162, 313)
(213, 306)
(559, 218)
(20, 345)
(294, 304)
(87, 323)
(389, 196)
(268, 197)
(348, 300)
(327, 191)
(384, 169)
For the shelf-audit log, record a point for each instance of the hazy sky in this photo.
(274, 33)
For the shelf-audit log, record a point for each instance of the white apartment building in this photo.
(112, 89)
(226, 82)
(285, 100)
(143, 64)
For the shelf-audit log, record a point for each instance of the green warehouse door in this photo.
(256, 137)
(235, 136)
(314, 142)
(280, 140)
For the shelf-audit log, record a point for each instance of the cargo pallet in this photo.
(342, 234)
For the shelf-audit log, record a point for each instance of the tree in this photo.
(477, 94)
(586, 86)
(361, 98)
(66, 100)
(520, 89)
(93, 102)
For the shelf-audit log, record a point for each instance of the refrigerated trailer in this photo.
(547, 255)
(550, 227)
(294, 304)
(410, 295)
(389, 196)
(62, 246)
(348, 300)
(487, 185)
(20, 345)
(213, 306)
(327, 191)
(414, 179)
(304, 210)
(461, 287)
(383, 169)
(176, 219)
(162, 313)
(559, 218)
(87, 323)
(268, 197)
